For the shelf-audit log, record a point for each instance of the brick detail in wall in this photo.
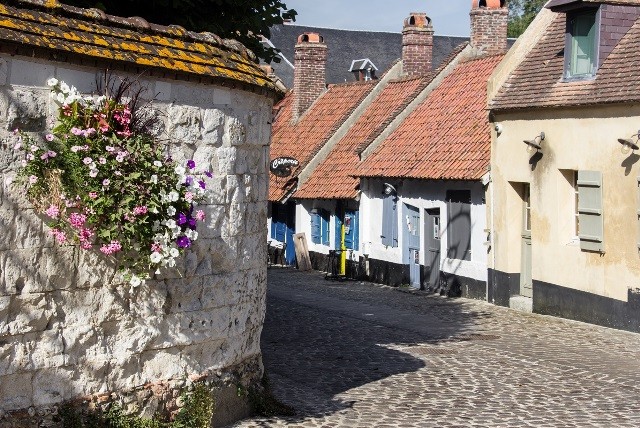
(417, 50)
(615, 22)
(309, 75)
(489, 30)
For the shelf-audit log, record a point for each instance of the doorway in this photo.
(412, 243)
(526, 283)
(432, 247)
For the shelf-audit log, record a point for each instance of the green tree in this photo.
(243, 20)
(521, 13)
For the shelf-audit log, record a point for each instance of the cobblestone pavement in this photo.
(348, 354)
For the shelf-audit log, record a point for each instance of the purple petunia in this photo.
(183, 242)
(191, 164)
(188, 181)
(182, 219)
(208, 174)
(192, 223)
(202, 184)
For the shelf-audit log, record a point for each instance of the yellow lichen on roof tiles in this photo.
(36, 28)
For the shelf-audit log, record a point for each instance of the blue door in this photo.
(351, 230)
(290, 222)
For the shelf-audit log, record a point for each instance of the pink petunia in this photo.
(49, 137)
(200, 215)
(93, 195)
(33, 179)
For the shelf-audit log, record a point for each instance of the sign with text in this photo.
(281, 167)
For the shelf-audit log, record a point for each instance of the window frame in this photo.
(568, 46)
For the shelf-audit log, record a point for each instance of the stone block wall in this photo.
(69, 328)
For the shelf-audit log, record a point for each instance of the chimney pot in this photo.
(417, 44)
(309, 74)
(489, 20)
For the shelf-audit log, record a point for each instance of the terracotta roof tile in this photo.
(447, 137)
(44, 27)
(538, 80)
(302, 140)
(333, 179)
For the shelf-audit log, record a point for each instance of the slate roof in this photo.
(537, 82)
(333, 179)
(303, 139)
(49, 29)
(447, 137)
(344, 46)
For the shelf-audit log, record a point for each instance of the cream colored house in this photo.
(564, 201)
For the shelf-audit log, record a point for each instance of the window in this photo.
(320, 227)
(590, 211)
(389, 233)
(459, 224)
(581, 46)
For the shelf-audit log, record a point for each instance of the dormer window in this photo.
(581, 47)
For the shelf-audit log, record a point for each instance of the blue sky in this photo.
(450, 17)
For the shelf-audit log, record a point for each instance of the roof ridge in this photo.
(54, 7)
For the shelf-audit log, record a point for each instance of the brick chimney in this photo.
(309, 74)
(417, 44)
(489, 25)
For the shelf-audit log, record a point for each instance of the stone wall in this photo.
(69, 329)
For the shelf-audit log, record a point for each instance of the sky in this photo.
(449, 17)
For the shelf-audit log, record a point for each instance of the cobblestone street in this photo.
(347, 354)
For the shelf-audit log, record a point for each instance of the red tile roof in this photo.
(302, 140)
(333, 179)
(447, 137)
(537, 81)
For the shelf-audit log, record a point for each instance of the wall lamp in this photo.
(389, 189)
(628, 144)
(535, 143)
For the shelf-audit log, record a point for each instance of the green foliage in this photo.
(197, 410)
(196, 413)
(521, 13)
(243, 20)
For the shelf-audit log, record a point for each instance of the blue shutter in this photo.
(356, 230)
(273, 228)
(338, 232)
(590, 211)
(315, 228)
(394, 223)
(324, 227)
(387, 215)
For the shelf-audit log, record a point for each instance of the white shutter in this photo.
(590, 211)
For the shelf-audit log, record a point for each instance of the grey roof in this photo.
(383, 49)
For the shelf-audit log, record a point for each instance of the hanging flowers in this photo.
(107, 185)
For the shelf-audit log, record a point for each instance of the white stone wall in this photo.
(67, 327)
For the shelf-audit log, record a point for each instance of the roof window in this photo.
(581, 44)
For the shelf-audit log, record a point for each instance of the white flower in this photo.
(191, 234)
(60, 98)
(157, 164)
(173, 196)
(135, 281)
(174, 252)
(64, 88)
(155, 258)
(171, 263)
(52, 81)
(171, 211)
(180, 170)
(154, 179)
(171, 224)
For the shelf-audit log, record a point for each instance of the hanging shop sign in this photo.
(281, 167)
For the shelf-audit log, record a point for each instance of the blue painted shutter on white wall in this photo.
(590, 211)
(315, 228)
(389, 235)
(324, 227)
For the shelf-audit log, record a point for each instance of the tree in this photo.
(521, 13)
(243, 20)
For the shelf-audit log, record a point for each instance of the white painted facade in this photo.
(424, 195)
